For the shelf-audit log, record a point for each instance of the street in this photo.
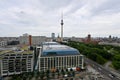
(101, 69)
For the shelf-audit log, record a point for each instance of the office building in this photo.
(16, 61)
(56, 56)
(53, 36)
(32, 40)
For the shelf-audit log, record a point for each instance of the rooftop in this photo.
(22, 50)
(55, 49)
(50, 43)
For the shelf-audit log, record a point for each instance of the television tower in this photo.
(61, 27)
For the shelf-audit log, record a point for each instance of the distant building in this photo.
(58, 39)
(9, 38)
(109, 43)
(76, 39)
(110, 38)
(3, 43)
(15, 61)
(36, 40)
(89, 38)
(26, 34)
(32, 40)
(24, 39)
(54, 56)
(53, 36)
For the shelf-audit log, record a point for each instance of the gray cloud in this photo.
(42, 17)
(108, 7)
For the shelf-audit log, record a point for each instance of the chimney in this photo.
(30, 40)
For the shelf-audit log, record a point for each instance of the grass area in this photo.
(111, 66)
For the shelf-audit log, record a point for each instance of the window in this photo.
(51, 53)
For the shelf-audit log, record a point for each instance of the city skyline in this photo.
(42, 17)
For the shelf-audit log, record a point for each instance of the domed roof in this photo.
(58, 50)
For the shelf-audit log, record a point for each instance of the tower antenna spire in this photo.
(61, 26)
(61, 15)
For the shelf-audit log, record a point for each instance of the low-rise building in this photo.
(54, 56)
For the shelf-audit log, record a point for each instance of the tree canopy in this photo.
(99, 53)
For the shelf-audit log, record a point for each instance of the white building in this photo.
(55, 56)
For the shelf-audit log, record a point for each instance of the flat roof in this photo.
(56, 49)
(22, 50)
(50, 43)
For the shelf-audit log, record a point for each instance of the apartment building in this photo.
(16, 62)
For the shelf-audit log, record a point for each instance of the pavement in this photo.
(107, 66)
(108, 74)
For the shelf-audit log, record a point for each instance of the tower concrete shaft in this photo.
(62, 29)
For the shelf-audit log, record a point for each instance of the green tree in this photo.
(62, 72)
(116, 61)
(42, 74)
(58, 72)
(47, 74)
(53, 74)
(100, 59)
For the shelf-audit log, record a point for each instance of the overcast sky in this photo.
(100, 18)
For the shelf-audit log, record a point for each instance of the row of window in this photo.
(16, 65)
(60, 62)
(18, 55)
(13, 57)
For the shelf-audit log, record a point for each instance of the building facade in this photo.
(53, 36)
(34, 40)
(3, 43)
(15, 62)
(60, 62)
(55, 56)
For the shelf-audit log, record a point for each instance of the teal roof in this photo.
(58, 50)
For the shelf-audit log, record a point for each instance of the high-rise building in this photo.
(53, 36)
